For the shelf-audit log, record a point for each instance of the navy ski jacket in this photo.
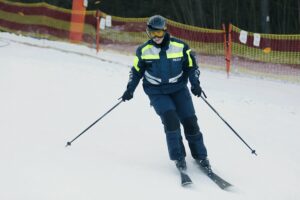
(165, 68)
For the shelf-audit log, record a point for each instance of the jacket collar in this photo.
(165, 42)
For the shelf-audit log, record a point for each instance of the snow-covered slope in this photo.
(49, 95)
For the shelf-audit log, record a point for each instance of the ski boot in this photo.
(205, 164)
(180, 164)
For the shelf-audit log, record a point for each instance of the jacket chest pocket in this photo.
(175, 57)
(154, 68)
(175, 66)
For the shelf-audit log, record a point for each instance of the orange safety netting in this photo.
(266, 55)
(276, 56)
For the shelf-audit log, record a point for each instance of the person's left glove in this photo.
(196, 90)
(127, 95)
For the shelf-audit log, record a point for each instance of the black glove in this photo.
(196, 90)
(127, 95)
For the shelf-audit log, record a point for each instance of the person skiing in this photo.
(166, 64)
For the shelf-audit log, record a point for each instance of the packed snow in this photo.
(51, 91)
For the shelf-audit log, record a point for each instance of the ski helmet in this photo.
(156, 22)
(156, 27)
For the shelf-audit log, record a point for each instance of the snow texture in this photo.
(51, 91)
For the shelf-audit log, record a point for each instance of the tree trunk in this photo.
(265, 16)
(298, 13)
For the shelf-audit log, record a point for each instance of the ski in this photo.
(185, 179)
(215, 178)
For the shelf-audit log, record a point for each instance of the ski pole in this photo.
(252, 150)
(70, 142)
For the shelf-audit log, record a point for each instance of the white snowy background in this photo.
(51, 91)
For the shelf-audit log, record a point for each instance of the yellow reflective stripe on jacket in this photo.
(135, 63)
(148, 57)
(175, 55)
(149, 46)
(150, 52)
(175, 50)
(188, 52)
(177, 44)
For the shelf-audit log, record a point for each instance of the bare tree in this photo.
(298, 12)
(265, 16)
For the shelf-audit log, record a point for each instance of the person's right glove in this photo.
(196, 90)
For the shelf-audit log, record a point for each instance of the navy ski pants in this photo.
(173, 109)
